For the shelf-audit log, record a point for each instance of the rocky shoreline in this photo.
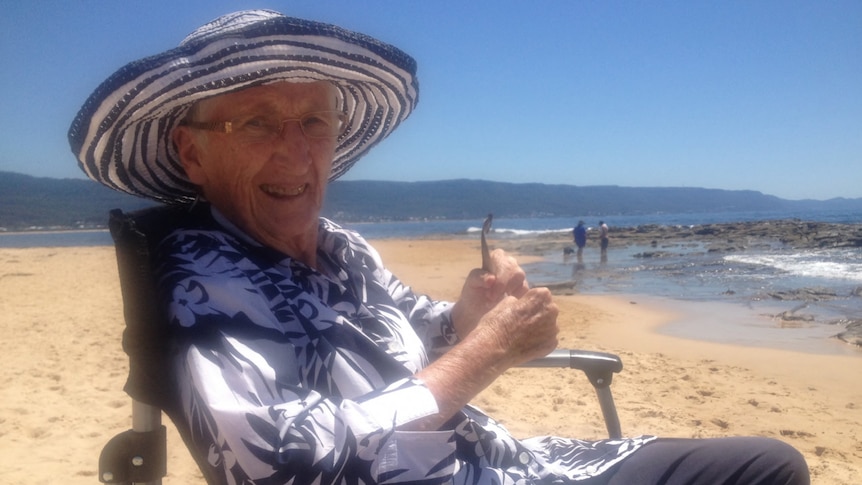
(662, 241)
(736, 236)
(719, 237)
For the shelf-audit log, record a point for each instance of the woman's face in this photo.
(272, 189)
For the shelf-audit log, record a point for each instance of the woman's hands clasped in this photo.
(515, 323)
(501, 323)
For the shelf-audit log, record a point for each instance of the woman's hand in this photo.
(518, 330)
(484, 289)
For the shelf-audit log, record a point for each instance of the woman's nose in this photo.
(293, 146)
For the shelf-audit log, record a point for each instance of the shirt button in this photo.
(524, 458)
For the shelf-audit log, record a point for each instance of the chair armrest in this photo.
(598, 366)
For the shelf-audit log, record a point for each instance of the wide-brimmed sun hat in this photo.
(122, 134)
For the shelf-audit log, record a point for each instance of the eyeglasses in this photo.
(262, 128)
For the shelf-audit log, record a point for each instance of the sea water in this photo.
(753, 286)
(525, 227)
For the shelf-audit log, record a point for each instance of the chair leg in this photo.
(609, 411)
(599, 368)
(137, 455)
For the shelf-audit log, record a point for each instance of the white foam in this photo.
(519, 232)
(834, 265)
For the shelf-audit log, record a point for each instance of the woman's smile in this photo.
(281, 191)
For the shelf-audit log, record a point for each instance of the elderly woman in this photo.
(298, 357)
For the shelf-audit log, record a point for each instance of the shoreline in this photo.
(36, 232)
(737, 324)
(640, 325)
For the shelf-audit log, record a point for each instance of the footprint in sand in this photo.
(39, 433)
(795, 434)
(720, 423)
(829, 452)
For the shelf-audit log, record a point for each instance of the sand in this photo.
(63, 372)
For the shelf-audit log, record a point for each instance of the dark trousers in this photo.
(716, 461)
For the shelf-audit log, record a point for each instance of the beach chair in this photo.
(139, 455)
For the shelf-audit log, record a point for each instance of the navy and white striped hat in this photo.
(122, 134)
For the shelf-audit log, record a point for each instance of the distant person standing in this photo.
(580, 233)
(603, 236)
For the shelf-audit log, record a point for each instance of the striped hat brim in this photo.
(122, 134)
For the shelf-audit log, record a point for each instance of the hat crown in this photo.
(228, 24)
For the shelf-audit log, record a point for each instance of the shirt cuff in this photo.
(417, 457)
(400, 403)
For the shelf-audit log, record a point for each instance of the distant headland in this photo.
(38, 203)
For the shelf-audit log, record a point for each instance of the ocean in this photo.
(817, 291)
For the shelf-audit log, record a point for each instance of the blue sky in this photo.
(760, 95)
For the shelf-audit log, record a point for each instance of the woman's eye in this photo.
(321, 125)
(310, 121)
(260, 124)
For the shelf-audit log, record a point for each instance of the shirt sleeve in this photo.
(252, 425)
(431, 319)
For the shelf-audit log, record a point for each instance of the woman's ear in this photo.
(188, 148)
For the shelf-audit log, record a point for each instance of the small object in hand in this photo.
(486, 255)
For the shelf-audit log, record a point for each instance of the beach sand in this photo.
(63, 372)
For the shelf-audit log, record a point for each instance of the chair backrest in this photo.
(136, 236)
(146, 338)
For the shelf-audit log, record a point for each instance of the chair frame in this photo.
(139, 455)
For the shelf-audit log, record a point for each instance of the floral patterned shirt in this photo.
(289, 374)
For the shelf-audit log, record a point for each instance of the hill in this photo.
(48, 203)
(470, 199)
